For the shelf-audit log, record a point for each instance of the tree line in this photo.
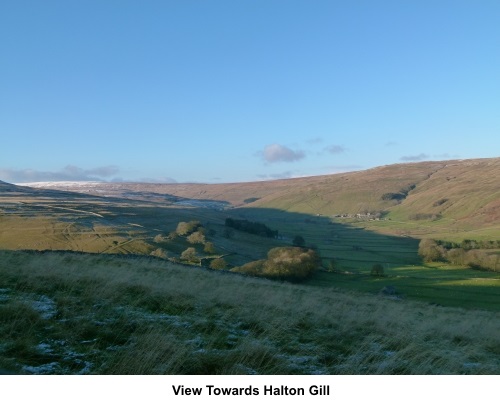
(469, 252)
(255, 228)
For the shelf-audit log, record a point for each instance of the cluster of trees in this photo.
(393, 196)
(284, 263)
(468, 244)
(186, 228)
(255, 228)
(195, 234)
(190, 255)
(401, 195)
(467, 253)
(419, 216)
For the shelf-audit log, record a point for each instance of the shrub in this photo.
(331, 266)
(196, 237)
(209, 248)
(298, 241)
(440, 202)
(286, 263)
(429, 250)
(377, 270)
(159, 238)
(250, 200)
(159, 253)
(186, 228)
(424, 216)
(393, 196)
(218, 264)
(189, 255)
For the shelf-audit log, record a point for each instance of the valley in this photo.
(354, 222)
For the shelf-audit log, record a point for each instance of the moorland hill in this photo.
(462, 195)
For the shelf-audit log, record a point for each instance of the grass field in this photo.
(83, 223)
(68, 313)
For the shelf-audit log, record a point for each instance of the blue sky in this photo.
(242, 90)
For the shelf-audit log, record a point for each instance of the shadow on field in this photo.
(343, 246)
(113, 224)
(50, 220)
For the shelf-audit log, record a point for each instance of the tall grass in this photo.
(65, 313)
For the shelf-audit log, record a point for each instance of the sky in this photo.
(241, 90)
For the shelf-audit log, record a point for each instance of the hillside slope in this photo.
(463, 191)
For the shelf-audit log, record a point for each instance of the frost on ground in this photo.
(44, 305)
(4, 294)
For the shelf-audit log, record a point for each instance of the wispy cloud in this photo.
(314, 141)
(414, 158)
(334, 149)
(274, 176)
(158, 180)
(279, 153)
(391, 143)
(68, 173)
(342, 169)
(446, 156)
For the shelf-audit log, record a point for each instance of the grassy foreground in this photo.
(68, 313)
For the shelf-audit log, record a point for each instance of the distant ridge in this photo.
(8, 187)
(462, 191)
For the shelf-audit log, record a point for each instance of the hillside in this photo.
(98, 281)
(354, 221)
(67, 313)
(450, 197)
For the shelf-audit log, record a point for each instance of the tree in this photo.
(332, 266)
(209, 248)
(159, 253)
(285, 263)
(189, 255)
(196, 237)
(218, 264)
(377, 270)
(159, 238)
(185, 228)
(298, 241)
(429, 250)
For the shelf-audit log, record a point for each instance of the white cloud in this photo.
(279, 153)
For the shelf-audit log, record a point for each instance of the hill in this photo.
(450, 198)
(127, 288)
(353, 220)
(67, 313)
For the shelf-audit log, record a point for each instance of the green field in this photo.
(82, 223)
